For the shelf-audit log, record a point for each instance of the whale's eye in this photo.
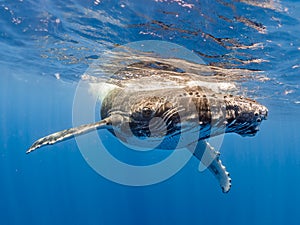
(146, 112)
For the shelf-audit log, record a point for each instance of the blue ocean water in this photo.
(46, 46)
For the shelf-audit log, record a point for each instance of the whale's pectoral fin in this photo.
(210, 158)
(66, 134)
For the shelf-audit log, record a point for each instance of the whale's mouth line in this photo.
(249, 133)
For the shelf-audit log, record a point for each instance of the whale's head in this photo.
(244, 115)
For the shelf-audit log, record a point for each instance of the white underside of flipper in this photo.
(210, 158)
(219, 171)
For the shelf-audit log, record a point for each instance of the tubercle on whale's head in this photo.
(244, 115)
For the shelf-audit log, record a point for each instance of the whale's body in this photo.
(155, 104)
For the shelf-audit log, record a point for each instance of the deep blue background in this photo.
(56, 186)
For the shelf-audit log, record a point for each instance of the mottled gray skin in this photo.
(214, 113)
(131, 109)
